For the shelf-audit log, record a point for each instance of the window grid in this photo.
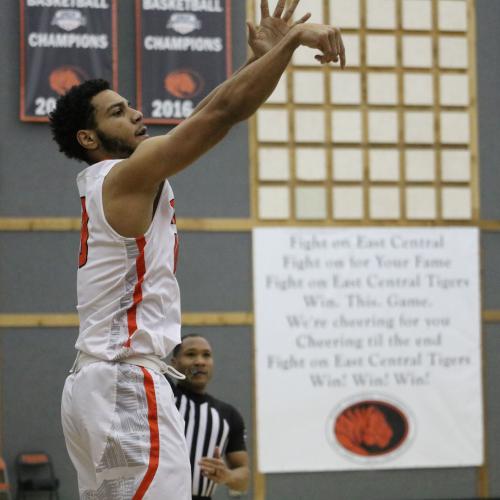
(400, 142)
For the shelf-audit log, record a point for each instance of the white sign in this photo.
(368, 348)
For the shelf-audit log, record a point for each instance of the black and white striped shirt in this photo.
(210, 423)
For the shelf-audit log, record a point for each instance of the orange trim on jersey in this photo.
(84, 234)
(140, 264)
(154, 436)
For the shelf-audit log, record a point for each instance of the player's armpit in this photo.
(131, 186)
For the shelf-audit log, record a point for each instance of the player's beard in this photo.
(117, 147)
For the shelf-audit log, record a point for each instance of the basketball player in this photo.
(215, 432)
(123, 432)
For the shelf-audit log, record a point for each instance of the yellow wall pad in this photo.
(30, 320)
(20, 224)
(73, 224)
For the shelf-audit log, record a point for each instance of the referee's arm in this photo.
(235, 474)
(240, 472)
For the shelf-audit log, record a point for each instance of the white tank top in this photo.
(128, 296)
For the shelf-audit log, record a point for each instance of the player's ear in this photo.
(173, 361)
(87, 139)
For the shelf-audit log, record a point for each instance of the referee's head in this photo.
(193, 358)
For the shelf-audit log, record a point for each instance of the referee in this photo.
(215, 431)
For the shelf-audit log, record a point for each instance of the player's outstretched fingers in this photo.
(321, 58)
(252, 32)
(334, 46)
(280, 6)
(303, 19)
(342, 50)
(264, 9)
(326, 47)
(289, 12)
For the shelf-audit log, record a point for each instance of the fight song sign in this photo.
(63, 43)
(183, 52)
(368, 348)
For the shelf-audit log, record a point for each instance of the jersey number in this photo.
(84, 235)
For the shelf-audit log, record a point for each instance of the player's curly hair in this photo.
(75, 112)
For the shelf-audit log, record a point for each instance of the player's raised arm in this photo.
(264, 37)
(237, 99)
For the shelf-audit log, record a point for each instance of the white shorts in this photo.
(124, 434)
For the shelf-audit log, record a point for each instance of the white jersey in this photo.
(128, 296)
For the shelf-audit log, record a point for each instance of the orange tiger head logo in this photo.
(183, 84)
(63, 78)
(370, 428)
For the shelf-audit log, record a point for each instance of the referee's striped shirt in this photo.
(210, 423)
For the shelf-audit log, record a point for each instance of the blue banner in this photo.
(183, 52)
(64, 42)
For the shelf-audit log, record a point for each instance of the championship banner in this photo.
(368, 348)
(183, 52)
(63, 43)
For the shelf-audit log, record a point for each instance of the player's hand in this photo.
(325, 38)
(273, 28)
(215, 468)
